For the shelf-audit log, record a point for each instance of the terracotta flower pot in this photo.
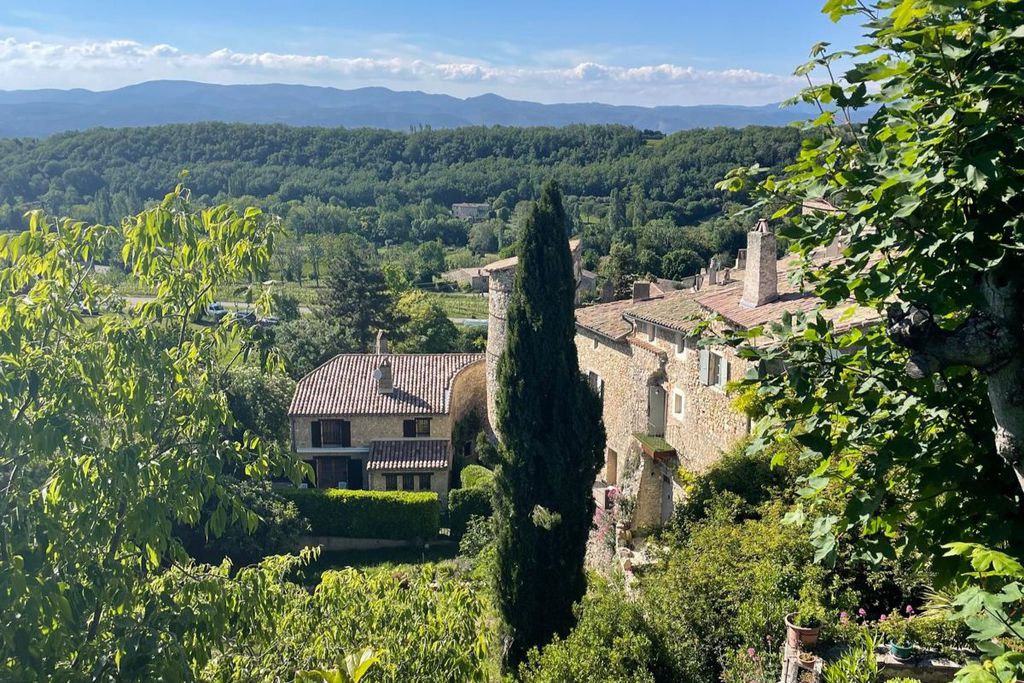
(798, 636)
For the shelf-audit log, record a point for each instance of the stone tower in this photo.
(501, 275)
(761, 281)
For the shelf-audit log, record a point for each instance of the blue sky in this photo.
(640, 52)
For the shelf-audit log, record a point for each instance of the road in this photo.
(304, 310)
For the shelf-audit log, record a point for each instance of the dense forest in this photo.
(104, 174)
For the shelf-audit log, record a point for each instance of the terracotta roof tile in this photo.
(605, 319)
(344, 385)
(676, 310)
(408, 454)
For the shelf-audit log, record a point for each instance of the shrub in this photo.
(280, 524)
(369, 514)
(476, 476)
(611, 643)
(465, 503)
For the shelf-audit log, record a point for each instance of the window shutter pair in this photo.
(314, 434)
(408, 428)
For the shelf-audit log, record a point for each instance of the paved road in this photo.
(305, 310)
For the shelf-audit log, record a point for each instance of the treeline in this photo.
(370, 181)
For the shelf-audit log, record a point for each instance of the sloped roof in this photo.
(408, 454)
(344, 385)
(675, 310)
(605, 319)
(513, 261)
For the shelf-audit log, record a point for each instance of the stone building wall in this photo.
(500, 290)
(367, 428)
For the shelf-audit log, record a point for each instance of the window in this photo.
(596, 383)
(407, 482)
(391, 482)
(714, 369)
(336, 433)
(678, 404)
(424, 482)
(419, 426)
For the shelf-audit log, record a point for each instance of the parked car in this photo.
(247, 318)
(216, 311)
(268, 321)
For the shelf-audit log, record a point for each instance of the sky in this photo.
(643, 52)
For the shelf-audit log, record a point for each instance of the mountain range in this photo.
(39, 113)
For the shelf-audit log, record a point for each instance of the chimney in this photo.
(741, 259)
(713, 271)
(382, 342)
(761, 283)
(641, 291)
(382, 375)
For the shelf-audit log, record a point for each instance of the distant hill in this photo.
(39, 113)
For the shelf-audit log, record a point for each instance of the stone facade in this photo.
(439, 483)
(500, 291)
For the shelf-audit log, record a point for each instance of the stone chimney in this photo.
(761, 283)
(382, 342)
(382, 376)
(741, 259)
(641, 291)
(713, 271)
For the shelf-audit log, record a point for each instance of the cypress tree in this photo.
(552, 441)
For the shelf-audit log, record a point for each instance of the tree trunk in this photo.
(990, 340)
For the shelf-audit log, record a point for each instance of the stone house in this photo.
(471, 211)
(384, 421)
(474, 278)
(664, 392)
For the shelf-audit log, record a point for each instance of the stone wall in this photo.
(500, 288)
(366, 428)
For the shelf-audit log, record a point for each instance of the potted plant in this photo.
(804, 625)
(897, 629)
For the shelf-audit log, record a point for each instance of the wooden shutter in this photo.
(346, 433)
(705, 367)
(723, 371)
(408, 428)
(314, 434)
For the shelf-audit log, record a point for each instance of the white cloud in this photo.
(40, 63)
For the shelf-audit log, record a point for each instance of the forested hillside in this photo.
(104, 174)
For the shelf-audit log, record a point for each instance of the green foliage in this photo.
(425, 625)
(611, 643)
(277, 530)
(726, 585)
(425, 327)
(476, 477)
(900, 418)
(749, 475)
(856, 665)
(307, 343)
(358, 299)
(369, 514)
(116, 429)
(259, 402)
(466, 503)
(552, 441)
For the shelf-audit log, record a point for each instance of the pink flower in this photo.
(863, 612)
(751, 652)
(909, 609)
(883, 617)
(844, 617)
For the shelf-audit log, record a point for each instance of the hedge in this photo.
(399, 515)
(464, 503)
(476, 476)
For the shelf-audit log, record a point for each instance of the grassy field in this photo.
(385, 558)
(462, 305)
